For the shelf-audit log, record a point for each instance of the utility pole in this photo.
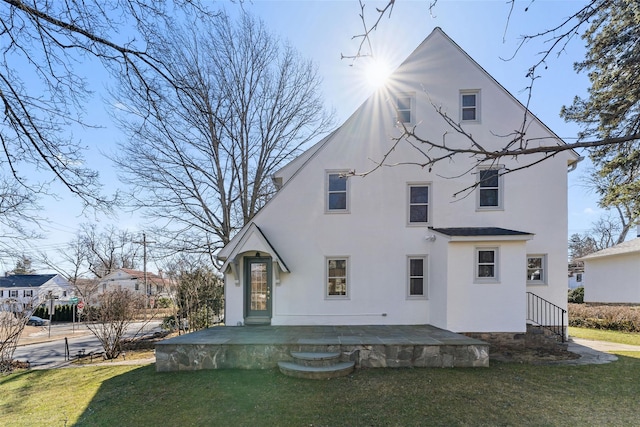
(144, 244)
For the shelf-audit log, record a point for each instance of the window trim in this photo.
(476, 107)
(412, 108)
(429, 198)
(425, 277)
(496, 264)
(500, 188)
(347, 292)
(543, 276)
(347, 191)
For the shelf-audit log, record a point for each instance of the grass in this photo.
(605, 335)
(504, 394)
(128, 355)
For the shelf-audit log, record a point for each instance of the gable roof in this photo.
(624, 248)
(243, 244)
(25, 280)
(288, 172)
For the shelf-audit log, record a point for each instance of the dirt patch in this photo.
(531, 355)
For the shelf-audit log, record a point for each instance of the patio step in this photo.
(316, 366)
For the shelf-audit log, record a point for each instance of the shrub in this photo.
(576, 295)
(611, 317)
(164, 302)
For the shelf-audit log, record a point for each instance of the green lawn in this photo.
(605, 335)
(504, 394)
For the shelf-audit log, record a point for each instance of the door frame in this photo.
(262, 317)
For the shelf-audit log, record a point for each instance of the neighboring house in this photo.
(576, 275)
(396, 246)
(613, 274)
(153, 285)
(24, 292)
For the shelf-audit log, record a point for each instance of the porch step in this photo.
(316, 366)
(315, 359)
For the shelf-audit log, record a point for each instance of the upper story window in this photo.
(337, 277)
(337, 192)
(486, 265)
(13, 294)
(405, 108)
(489, 188)
(28, 292)
(470, 105)
(419, 204)
(417, 277)
(536, 269)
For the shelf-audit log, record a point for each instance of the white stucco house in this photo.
(149, 284)
(24, 292)
(612, 275)
(396, 247)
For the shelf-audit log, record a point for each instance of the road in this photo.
(43, 351)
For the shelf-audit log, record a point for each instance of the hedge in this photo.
(611, 317)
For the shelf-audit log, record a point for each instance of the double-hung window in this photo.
(337, 192)
(536, 269)
(13, 294)
(417, 286)
(489, 188)
(337, 278)
(470, 106)
(405, 108)
(486, 264)
(28, 292)
(419, 204)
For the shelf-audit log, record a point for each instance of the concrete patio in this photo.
(262, 347)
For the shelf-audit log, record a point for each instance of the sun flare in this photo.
(377, 72)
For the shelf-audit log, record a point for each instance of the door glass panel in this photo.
(259, 286)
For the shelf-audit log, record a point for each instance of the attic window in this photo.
(470, 106)
(405, 108)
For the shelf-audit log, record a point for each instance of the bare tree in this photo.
(43, 89)
(204, 153)
(108, 250)
(112, 317)
(71, 261)
(13, 318)
(94, 253)
(618, 194)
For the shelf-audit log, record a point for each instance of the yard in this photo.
(504, 394)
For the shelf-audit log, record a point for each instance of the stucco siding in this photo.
(614, 279)
(374, 234)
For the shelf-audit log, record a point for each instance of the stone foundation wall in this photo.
(203, 356)
(536, 337)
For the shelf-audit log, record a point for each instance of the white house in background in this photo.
(148, 283)
(30, 290)
(396, 246)
(575, 274)
(612, 275)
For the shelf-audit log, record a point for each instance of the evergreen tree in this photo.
(612, 109)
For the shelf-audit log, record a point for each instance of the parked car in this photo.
(36, 321)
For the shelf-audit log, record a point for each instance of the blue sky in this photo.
(323, 30)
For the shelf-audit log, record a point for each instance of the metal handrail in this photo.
(546, 314)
